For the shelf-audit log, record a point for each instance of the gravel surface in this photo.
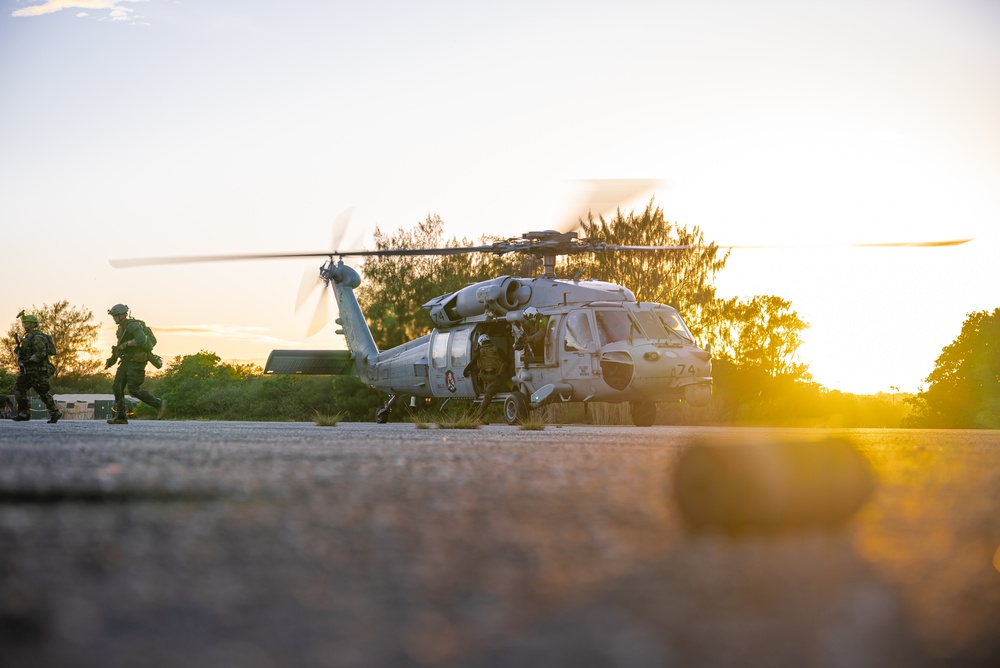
(264, 545)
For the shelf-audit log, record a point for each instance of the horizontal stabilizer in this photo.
(310, 362)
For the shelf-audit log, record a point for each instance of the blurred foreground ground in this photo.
(264, 545)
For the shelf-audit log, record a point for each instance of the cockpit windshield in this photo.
(673, 323)
(651, 326)
(660, 324)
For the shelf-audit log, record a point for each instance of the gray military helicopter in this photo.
(599, 344)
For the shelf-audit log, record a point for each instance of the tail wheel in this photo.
(643, 413)
(515, 407)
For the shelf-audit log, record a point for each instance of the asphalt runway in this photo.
(259, 545)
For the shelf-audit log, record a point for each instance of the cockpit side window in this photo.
(613, 326)
(579, 334)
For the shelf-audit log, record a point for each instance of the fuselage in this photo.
(600, 345)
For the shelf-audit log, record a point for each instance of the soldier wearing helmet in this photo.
(34, 369)
(532, 339)
(132, 351)
(490, 366)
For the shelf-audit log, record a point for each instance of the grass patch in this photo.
(327, 419)
(466, 420)
(535, 421)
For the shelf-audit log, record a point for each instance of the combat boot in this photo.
(54, 417)
(119, 415)
(21, 418)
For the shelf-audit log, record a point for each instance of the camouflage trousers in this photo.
(36, 378)
(132, 375)
(492, 383)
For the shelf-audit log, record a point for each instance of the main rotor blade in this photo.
(341, 226)
(889, 244)
(915, 244)
(191, 259)
(511, 246)
(604, 196)
(895, 244)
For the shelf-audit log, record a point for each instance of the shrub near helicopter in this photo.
(600, 344)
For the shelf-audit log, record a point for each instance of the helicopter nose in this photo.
(652, 370)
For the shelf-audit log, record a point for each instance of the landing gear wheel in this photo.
(643, 413)
(382, 414)
(515, 407)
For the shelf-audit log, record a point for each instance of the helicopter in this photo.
(599, 345)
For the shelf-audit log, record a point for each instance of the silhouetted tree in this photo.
(964, 390)
(762, 333)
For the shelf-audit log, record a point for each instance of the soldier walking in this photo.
(490, 365)
(132, 352)
(34, 369)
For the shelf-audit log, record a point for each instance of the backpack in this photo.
(149, 335)
(490, 361)
(50, 345)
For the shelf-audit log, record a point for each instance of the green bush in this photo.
(202, 387)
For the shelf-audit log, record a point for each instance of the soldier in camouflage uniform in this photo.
(34, 370)
(132, 352)
(490, 365)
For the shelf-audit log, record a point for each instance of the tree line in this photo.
(758, 376)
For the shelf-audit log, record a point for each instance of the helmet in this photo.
(118, 309)
(530, 312)
(484, 339)
(28, 317)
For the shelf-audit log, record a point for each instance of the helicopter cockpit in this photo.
(662, 325)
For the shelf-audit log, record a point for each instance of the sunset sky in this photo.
(173, 127)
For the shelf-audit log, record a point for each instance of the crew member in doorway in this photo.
(533, 335)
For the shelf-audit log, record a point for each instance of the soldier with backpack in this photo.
(132, 351)
(34, 369)
(490, 365)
